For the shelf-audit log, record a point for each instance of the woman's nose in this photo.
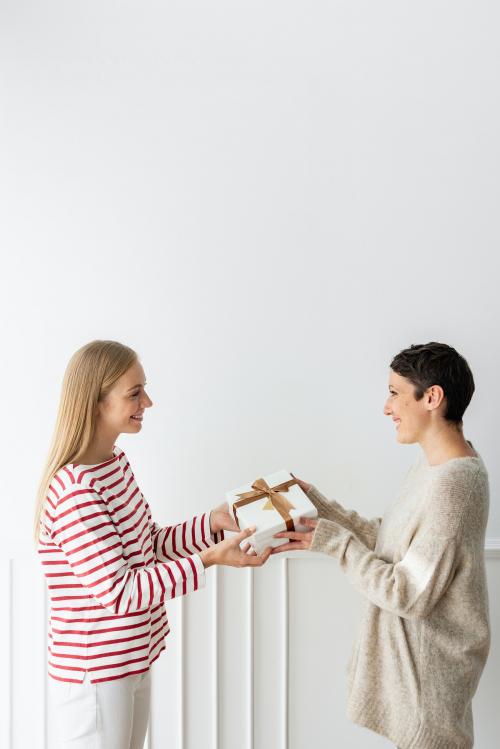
(387, 409)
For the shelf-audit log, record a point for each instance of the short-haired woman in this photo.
(425, 634)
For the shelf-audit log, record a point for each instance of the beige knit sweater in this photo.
(425, 632)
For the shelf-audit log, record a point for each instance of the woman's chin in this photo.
(134, 426)
(406, 439)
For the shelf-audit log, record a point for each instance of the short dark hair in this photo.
(434, 363)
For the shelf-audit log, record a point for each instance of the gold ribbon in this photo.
(275, 500)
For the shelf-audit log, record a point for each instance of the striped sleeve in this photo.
(83, 529)
(184, 539)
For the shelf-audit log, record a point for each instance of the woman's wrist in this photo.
(208, 556)
(212, 521)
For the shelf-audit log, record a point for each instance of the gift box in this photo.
(272, 504)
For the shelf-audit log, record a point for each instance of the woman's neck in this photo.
(100, 449)
(444, 443)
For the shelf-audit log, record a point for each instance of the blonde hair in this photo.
(91, 373)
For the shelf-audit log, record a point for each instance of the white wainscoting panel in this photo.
(256, 659)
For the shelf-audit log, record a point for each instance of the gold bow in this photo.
(275, 500)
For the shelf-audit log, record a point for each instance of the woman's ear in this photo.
(435, 397)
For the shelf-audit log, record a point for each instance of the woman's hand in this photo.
(303, 484)
(228, 552)
(297, 539)
(222, 520)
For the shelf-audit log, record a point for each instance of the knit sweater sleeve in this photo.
(411, 587)
(83, 528)
(183, 539)
(328, 509)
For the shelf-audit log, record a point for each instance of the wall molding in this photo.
(491, 550)
(492, 547)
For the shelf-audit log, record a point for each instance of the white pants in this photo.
(108, 715)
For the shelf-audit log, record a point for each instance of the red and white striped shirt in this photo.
(109, 569)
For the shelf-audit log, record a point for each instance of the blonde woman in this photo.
(109, 566)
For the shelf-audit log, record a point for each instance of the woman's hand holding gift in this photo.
(228, 552)
(222, 520)
(303, 484)
(297, 539)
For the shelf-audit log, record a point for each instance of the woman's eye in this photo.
(134, 395)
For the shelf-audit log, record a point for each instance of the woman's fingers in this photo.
(259, 559)
(303, 484)
(292, 535)
(292, 546)
(223, 507)
(239, 537)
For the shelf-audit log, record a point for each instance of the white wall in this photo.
(266, 200)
